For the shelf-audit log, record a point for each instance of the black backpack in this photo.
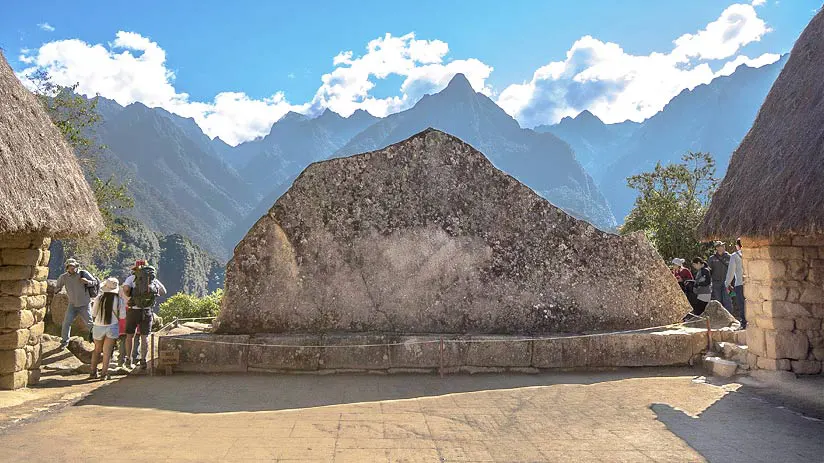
(144, 293)
(94, 288)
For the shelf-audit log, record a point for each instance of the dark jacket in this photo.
(703, 284)
(718, 266)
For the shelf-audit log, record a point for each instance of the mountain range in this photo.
(711, 118)
(185, 183)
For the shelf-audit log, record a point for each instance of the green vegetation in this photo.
(186, 306)
(77, 118)
(671, 204)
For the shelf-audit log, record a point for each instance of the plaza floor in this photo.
(664, 415)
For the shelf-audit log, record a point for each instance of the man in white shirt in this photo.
(735, 282)
(139, 314)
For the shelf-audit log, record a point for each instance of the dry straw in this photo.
(42, 189)
(775, 182)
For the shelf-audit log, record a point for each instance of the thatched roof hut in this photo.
(775, 182)
(42, 190)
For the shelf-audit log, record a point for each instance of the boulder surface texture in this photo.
(427, 236)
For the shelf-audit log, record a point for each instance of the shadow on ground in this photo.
(213, 393)
(745, 427)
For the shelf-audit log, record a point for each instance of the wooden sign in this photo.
(169, 357)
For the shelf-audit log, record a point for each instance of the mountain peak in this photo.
(586, 115)
(292, 116)
(459, 83)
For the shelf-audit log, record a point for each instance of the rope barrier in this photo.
(441, 340)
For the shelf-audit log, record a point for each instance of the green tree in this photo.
(183, 305)
(671, 204)
(78, 119)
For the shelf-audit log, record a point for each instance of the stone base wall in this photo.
(392, 353)
(23, 271)
(784, 288)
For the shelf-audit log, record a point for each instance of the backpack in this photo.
(94, 288)
(143, 292)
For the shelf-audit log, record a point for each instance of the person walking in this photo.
(735, 282)
(108, 309)
(718, 264)
(78, 284)
(142, 288)
(702, 287)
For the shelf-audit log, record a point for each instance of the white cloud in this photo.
(616, 86)
(133, 68)
(758, 2)
(595, 75)
(46, 27)
(421, 62)
(763, 60)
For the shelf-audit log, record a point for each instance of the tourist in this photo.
(718, 264)
(143, 288)
(735, 282)
(78, 283)
(108, 309)
(121, 341)
(681, 273)
(702, 287)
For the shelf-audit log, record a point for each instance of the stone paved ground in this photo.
(610, 416)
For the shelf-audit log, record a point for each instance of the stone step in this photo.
(741, 337)
(732, 351)
(720, 367)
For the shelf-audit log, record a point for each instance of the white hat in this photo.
(678, 262)
(109, 285)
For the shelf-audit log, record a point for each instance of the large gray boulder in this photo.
(428, 236)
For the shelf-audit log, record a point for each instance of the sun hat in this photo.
(678, 261)
(718, 243)
(72, 263)
(110, 285)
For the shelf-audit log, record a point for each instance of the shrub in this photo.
(187, 306)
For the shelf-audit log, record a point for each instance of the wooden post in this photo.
(151, 353)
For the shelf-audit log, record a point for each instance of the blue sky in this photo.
(238, 66)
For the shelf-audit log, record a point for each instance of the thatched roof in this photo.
(775, 181)
(42, 189)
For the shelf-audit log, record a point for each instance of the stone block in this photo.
(770, 323)
(720, 367)
(806, 367)
(425, 352)
(39, 314)
(40, 273)
(808, 241)
(14, 340)
(35, 332)
(18, 320)
(207, 353)
(786, 345)
(12, 304)
(793, 294)
(356, 351)
(12, 360)
(270, 352)
(33, 356)
(14, 287)
(812, 294)
(807, 323)
(16, 380)
(560, 352)
(16, 272)
(44, 258)
(766, 270)
(756, 340)
(28, 257)
(796, 270)
(41, 243)
(752, 360)
(816, 275)
(773, 364)
(785, 252)
(495, 351)
(784, 309)
(36, 302)
(811, 252)
(818, 353)
(16, 242)
(741, 337)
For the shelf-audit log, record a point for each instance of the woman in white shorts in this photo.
(108, 308)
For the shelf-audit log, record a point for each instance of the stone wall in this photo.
(23, 272)
(784, 288)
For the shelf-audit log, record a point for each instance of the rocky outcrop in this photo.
(428, 236)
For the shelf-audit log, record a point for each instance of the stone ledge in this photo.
(422, 353)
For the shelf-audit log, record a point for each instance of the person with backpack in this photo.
(702, 285)
(107, 311)
(81, 286)
(719, 263)
(143, 288)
